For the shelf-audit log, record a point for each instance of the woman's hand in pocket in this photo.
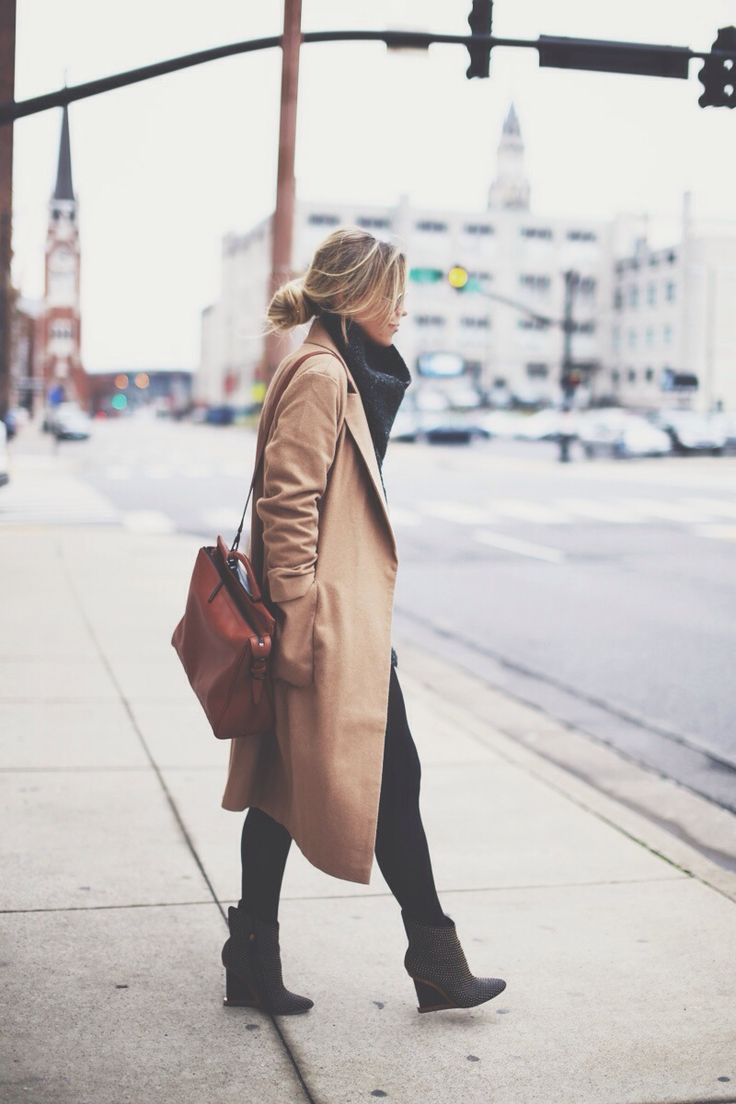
(294, 650)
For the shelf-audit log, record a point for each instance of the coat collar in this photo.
(356, 420)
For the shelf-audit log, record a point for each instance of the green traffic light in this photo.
(425, 275)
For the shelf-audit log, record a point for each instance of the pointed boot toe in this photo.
(436, 962)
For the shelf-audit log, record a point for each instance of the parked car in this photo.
(71, 423)
(220, 415)
(691, 432)
(4, 460)
(427, 417)
(544, 425)
(620, 433)
(725, 420)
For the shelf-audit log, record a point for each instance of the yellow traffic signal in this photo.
(458, 277)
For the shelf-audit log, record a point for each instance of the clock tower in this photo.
(60, 321)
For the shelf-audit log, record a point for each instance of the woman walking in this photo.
(340, 774)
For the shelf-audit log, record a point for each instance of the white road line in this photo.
(157, 471)
(402, 517)
(717, 532)
(721, 507)
(461, 513)
(600, 511)
(524, 548)
(147, 521)
(689, 514)
(224, 519)
(118, 471)
(525, 510)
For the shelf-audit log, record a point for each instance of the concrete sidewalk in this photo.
(615, 931)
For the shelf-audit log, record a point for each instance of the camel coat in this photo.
(323, 547)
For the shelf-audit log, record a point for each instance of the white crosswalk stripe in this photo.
(600, 511)
(462, 513)
(522, 547)
(40, 493)
(525, 510)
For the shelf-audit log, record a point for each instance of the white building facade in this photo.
(673, 333)
(516, 258)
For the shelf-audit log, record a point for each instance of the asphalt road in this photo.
(603, 591)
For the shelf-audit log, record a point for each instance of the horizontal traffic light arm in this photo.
(577, 53)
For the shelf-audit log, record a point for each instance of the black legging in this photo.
(401, 845)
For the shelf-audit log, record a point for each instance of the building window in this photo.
(586, 327)
(374, 222)
(477, 323)
(587, 285)
(618, 299)
(537, 371)
(669, 292)
(633, 296)
(615, 375)
(323, 220)
(652, 294)
(531, 324)
(481, 228)
(581, 235)
(536, 232)
(477, 275)
(616, 336)
(429, 320)
(631, 375)
(672, 256)
(667, 334)
(431, 227)
(632, 339)
(649, 375)
(537, 283)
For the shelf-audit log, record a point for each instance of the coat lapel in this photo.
(356, 421)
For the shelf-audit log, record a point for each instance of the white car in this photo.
(616, 432)
(545, 425)
(4, 461)
(70, 423)
(692, 432)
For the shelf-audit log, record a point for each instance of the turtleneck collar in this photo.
(380, 375)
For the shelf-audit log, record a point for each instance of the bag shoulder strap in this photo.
(261, 445)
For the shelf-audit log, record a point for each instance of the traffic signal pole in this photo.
(7, 93)
(282, 226)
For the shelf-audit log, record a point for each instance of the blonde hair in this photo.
(352, 273)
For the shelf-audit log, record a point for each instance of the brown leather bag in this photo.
(226, 637)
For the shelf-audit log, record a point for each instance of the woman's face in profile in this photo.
(383, 334)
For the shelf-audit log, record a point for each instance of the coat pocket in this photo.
(294, 644)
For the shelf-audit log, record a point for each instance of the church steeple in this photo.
(511, 188)
(64, 188)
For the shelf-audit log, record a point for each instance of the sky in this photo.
(163, 169)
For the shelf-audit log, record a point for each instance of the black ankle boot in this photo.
(437, 964)
(252, 961)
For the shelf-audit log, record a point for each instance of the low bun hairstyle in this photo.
(352, 273)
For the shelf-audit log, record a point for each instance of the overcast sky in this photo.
(163, 169)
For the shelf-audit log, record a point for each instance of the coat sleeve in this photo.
(296, 462)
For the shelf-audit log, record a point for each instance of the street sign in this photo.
(426, 275)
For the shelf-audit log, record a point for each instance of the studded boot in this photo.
(442, 978)
(252, 961)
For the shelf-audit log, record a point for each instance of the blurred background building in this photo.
(680, 329)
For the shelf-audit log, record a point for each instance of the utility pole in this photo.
(7, 93)
(568, 379)
(283, 218)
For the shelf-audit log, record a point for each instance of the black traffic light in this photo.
(718, 75)
(480, 21)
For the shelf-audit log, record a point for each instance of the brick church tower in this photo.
(60, 325)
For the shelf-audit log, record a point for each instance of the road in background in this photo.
(602, 591)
